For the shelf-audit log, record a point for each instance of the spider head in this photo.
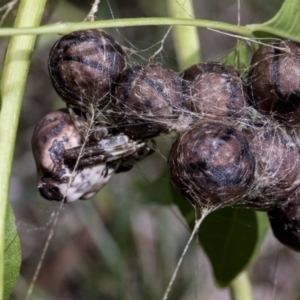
(50, 192)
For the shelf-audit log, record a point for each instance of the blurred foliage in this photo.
(12, 258)
(124, 244)
(231, 238)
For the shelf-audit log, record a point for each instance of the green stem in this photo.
(186, 40)
(65, 28)
(14, 75)
(240, 287)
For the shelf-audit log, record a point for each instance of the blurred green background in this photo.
(125, 243)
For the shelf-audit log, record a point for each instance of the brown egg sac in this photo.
(215, 90)
(83, 65)
(285, 222)
(274, 80)
(56, 179)
(147, 101)
(277, 167)
(212, 165)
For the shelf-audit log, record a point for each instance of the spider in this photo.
(67, 170)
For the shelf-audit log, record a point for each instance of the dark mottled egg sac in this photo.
(277, 167)
(212, 165)
(215, 90)
(285, 223)
(56, 180)
(274, 80)
(83, 65)
(147, 101)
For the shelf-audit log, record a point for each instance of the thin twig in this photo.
(161, 44)
(7, 9)
(274, 289)
(41, 260)
(91, 16)
(195, 230)
(65, 27)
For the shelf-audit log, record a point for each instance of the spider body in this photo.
(66, 170)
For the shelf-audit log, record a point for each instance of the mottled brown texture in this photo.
(83, 65)
(147, 101)
(214, 90)
(211, 165)
(57, 178)
(52, 135)
(277, 167)
(274, 80)
(285, 222)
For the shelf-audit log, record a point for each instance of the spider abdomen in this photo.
(53, 135)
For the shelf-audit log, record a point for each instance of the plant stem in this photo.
(65, 28)
(186, 40)
(240, 287)
(14, 75)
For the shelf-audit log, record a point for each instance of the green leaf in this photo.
(158, 192)
(285, 24)
(162, 192)
(231, 238)
(240, 57)
(12, 254)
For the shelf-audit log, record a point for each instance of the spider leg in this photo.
(107, 150)
(83, 122)
(87, 152)
(128, 163)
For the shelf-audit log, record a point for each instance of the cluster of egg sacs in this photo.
(237, 143)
